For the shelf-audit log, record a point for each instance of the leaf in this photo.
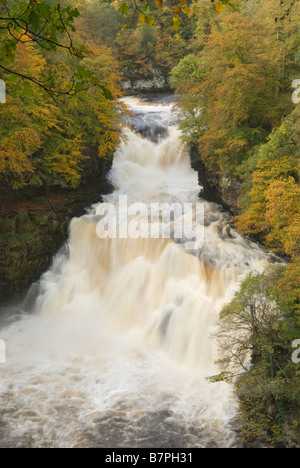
(76, 13)
(186, 10)
(123, 9)
(145, 7)
(219, 7)
(83, 73)
(176, 22)
(107, 93)
(124, 26)
(222, 377)
(79, 86)
(176, 9)
(183, 2)
(150, 20)
(158, 2)
(142, 18)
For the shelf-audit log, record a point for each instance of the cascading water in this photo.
(118, 348)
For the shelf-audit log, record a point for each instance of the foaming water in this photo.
(118, 348)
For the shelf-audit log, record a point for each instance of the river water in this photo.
(117, 348)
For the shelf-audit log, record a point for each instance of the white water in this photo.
(120, 342)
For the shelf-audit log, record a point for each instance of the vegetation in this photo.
(48, 26)
(54, 143)
(63, 68)
(256, 333)
(274, 183)
(235, 90)
(232, 65)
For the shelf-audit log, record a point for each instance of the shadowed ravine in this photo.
(120, 342)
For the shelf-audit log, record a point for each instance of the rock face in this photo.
(33, 226)
(221, 189)
(230, 190)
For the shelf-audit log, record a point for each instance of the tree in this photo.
(46, 25)
(139, 11)
(284, 222)
(46, 143)
(231, 92)
(250, 327)
(256, 332)
(274, 184)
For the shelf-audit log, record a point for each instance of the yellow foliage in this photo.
(15, 152)
(283, 215)
(275, 206)
(48, 143)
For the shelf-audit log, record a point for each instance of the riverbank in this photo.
(224, 191)
(34, 225)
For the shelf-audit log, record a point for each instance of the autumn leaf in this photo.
(142, 18)
(149, 20)
(186, 10)
(176, 22)
(219, 7)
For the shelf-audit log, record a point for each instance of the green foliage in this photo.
(256, 332)
(39, 22)
(46, 25)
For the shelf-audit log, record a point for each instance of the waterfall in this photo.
(118, 348)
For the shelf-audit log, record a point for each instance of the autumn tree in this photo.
(231, 92)
(46, 143)
(272, 206)
(256, 333)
